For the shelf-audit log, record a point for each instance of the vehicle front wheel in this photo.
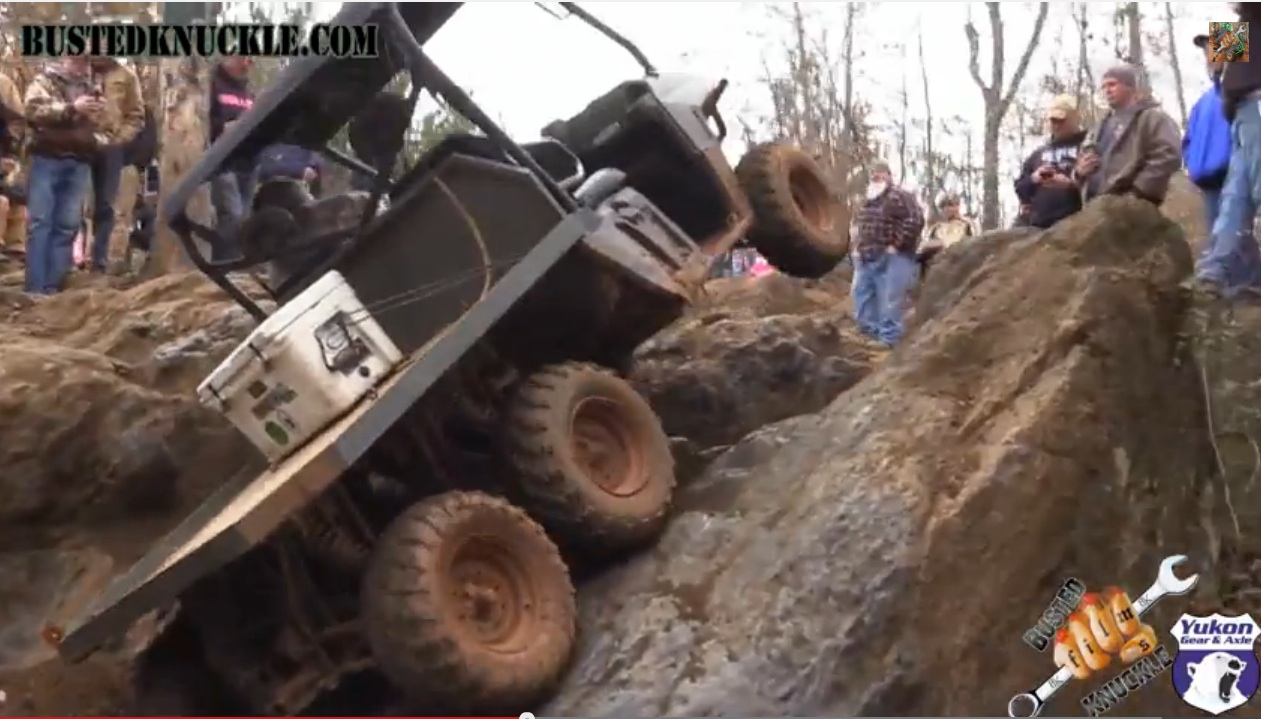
(468, 605)
(589, 458)
(798, 224)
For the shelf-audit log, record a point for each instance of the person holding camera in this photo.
(1046, 181)
(66, 115)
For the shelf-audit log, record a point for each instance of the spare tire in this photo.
(589, 458)
(798, 225)
(467, 605)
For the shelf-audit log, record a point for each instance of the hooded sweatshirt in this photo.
(1206, 144)
(1049, 205)
(229, 99)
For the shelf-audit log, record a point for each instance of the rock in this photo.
(754, 351)
(884, 556)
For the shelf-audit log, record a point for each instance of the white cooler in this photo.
(305, 366)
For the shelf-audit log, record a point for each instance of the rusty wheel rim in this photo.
(492, 596)
(607, 447)
(812, 198)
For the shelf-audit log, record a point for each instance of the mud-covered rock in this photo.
(884, 556)
(753, 352)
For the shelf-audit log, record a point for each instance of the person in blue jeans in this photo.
(232, 190)
(885, 268)
(1206, 149)
(65, 113)
(1218, 272)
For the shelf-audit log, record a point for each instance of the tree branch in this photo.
(1019, 75)
(974, 55)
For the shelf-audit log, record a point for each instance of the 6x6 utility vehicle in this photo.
(434, 386)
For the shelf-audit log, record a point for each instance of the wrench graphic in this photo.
(1166, 583)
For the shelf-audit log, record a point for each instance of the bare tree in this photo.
(997, 98)
(1134, 33)
(931, 183)
(1173, 61)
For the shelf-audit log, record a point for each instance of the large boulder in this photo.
(752, 352)
(884, 556)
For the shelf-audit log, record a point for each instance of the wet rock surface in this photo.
(857, 531)
(883, 556)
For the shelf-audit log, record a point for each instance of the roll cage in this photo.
(315, 97)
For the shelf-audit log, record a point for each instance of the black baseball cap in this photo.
(1201, 41)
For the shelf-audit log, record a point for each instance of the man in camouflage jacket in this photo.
(122, 119)
(889, 225)
(65, 114)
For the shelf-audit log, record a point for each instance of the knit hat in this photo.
(1124, 74)
(881, 166)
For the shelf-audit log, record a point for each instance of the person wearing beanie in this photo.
(1046, 183)
(1137, 147)
(1218, 270)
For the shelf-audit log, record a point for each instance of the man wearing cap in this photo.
(1046, 181)
(951, 229)
(1206, 149)
(1240, 89)
(889, 226)
(1137, 147)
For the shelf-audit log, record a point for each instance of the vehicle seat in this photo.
(628, 128)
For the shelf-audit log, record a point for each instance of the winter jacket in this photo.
(287, 161)
(143, 148)
(229, 99)
(1049, 205)
(10, 116)
(1144, 152)
(894, 219)
(1206, 144)
(1240, 79)
(57, 129)
(124, 105)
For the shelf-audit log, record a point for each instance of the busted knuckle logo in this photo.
(1216, 668)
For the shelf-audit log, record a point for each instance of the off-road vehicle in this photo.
(434, 386)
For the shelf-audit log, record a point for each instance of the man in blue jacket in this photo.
(292, 162)
(1206, 149)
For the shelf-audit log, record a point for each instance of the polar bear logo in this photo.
(1215, 683)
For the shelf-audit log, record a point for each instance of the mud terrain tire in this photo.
(468, 605)
(798, 226)
(590, 458)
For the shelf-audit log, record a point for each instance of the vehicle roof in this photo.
(314, 96)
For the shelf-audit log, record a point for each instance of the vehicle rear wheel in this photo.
(591, 461)
(468, 605)
(798, 225)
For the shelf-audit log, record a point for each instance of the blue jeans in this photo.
(54, 203)
(1231, 258)
(231, 193)
(1243, 268)
(879, 290)
(107, 170)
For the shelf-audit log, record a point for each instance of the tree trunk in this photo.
(1134, 30)
(997, 99)
(183, 142)
(930, 179)
(1173, 60)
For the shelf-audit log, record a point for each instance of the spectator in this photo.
(1137, 147)
(949, 230)
(1206, 148)
(1046, 181)
(290, 161)
(12, 196)
(65, 112)
(889, 225)
(1240, 92)
(123, 119)
(232, 190)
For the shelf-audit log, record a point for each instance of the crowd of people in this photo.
(79, 124)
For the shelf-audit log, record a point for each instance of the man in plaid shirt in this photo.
(889, 227)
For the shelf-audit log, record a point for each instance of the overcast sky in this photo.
(528, 68)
